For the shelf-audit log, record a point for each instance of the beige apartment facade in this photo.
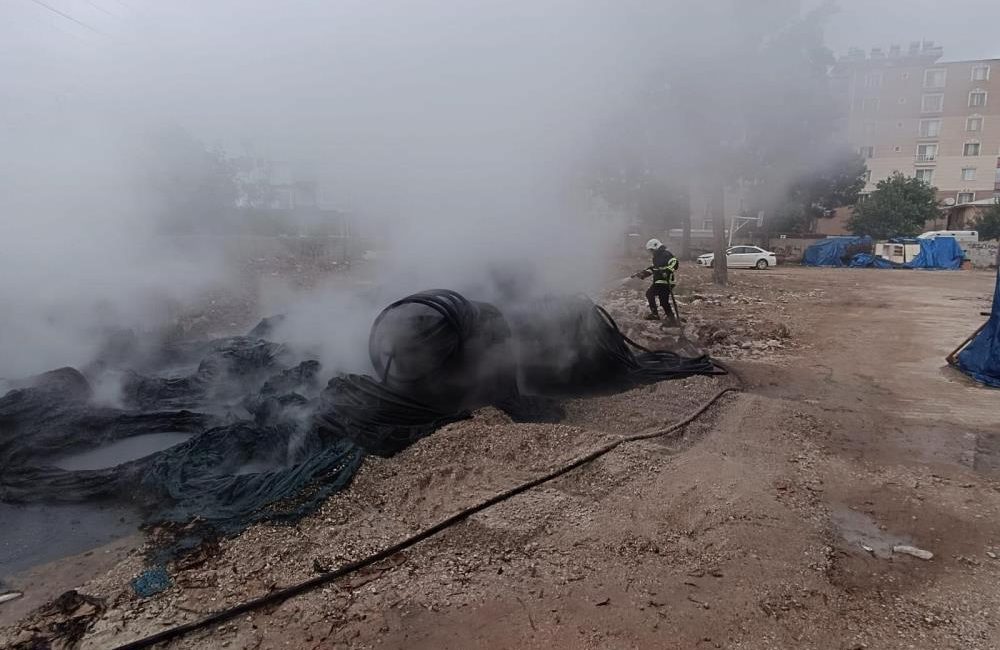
(911, 112)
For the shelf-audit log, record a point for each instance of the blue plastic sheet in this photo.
(834, 251)
(939, 253)
(981, 359)
(867, 260)
(151, 582)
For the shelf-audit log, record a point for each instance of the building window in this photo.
(968, 173)
(971, 149)
(868, 176)
(932, 103)
(925, 175)
(966, 197)
(869, 104)
(873, 79)
(977, 98)
(934, 78)
(981, 72)
(974, 123)
(867, 152)
(930, 128)
(926, 152)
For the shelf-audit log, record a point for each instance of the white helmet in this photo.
(653, 244)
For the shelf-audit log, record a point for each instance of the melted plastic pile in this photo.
(267, 442)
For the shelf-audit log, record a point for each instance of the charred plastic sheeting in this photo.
(436, 355)
(268, 444)
(233, 470)
(569, 345)
(440, 349)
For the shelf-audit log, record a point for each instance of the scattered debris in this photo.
(913, 550)
(151, 582)
(10, 595)
(698, 602)
(62, 622)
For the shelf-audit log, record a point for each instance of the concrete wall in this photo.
(983, 255)
(790, 249)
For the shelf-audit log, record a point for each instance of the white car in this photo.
(742, 257)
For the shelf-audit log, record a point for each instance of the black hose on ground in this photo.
(286, 593)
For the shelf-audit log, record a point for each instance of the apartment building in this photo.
(911, 112)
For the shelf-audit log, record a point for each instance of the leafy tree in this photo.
(988, 223)
(817, 192)
(899, 207)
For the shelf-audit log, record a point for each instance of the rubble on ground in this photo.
(748, 319)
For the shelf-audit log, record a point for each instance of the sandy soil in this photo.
(767, 523)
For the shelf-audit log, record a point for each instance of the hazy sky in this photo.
(458, 121)
(967, 29)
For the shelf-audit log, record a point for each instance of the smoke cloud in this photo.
(461, 136)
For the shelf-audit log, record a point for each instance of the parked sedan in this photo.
(743, 257)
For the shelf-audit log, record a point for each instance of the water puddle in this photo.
(859, 529)
(121, 451)
(34, 534)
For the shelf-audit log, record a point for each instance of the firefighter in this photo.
(663, 272)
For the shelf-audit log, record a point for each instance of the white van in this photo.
(963, 237)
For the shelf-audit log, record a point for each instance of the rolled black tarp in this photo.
(440, 349)
(568, 345)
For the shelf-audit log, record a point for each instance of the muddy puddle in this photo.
(859, 529)
(121, 451)
(35, 534)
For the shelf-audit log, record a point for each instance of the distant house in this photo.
(964, 216)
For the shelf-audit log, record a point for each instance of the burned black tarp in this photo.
(275, 466)
(229, 369)
(440, 349)
(568, 345)
(267, 443)
(436, 355)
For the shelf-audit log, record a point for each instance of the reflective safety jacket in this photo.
(664, 266)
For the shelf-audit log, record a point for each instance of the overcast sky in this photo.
(461, 122)
(967, 29)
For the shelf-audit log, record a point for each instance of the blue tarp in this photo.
(981, 359)
(939, 253)
(866, 260)
(833, 251)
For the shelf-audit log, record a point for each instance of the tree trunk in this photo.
(717, 208)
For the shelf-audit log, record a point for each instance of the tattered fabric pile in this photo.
(269, 442)
(981, 358)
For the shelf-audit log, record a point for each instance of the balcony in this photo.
(926, 157)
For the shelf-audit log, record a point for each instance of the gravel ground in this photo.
(767, 523)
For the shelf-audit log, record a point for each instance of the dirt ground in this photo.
(768, 522)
